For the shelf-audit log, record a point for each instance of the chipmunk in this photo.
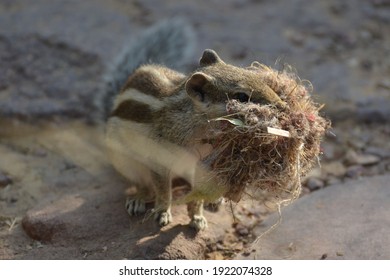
(156, 131)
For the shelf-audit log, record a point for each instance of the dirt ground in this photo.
(45, 163)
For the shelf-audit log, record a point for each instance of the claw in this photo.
(198, 222)
(135, 206)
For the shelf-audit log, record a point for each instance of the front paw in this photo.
(198, 222)
(135, 206)
(163, 217)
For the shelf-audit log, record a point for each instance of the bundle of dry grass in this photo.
(264, 149)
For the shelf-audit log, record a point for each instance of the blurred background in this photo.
(342, 47)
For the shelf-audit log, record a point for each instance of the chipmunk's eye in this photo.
(241, 96)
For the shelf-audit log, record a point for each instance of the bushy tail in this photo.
(170, 42)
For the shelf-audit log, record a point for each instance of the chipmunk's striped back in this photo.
(170, 43)
(158, 128)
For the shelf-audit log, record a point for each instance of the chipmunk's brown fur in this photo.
(158, 124)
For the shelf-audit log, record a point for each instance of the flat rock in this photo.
(345, 221)
(378, 151)
(353, 157)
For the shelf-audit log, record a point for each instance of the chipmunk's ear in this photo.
(198, 85)
(210, 57)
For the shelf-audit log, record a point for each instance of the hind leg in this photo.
(163, 200)
(195, 212)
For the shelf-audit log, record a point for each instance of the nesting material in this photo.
(265, 150)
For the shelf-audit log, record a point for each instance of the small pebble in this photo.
(40, 152)
(241, 229)
(357, 144)
(295, 37)
(384, 84)
(246, 253)
(339, 254)
(314, 184)
(354, 171)
(334, 168)
(4, 180)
